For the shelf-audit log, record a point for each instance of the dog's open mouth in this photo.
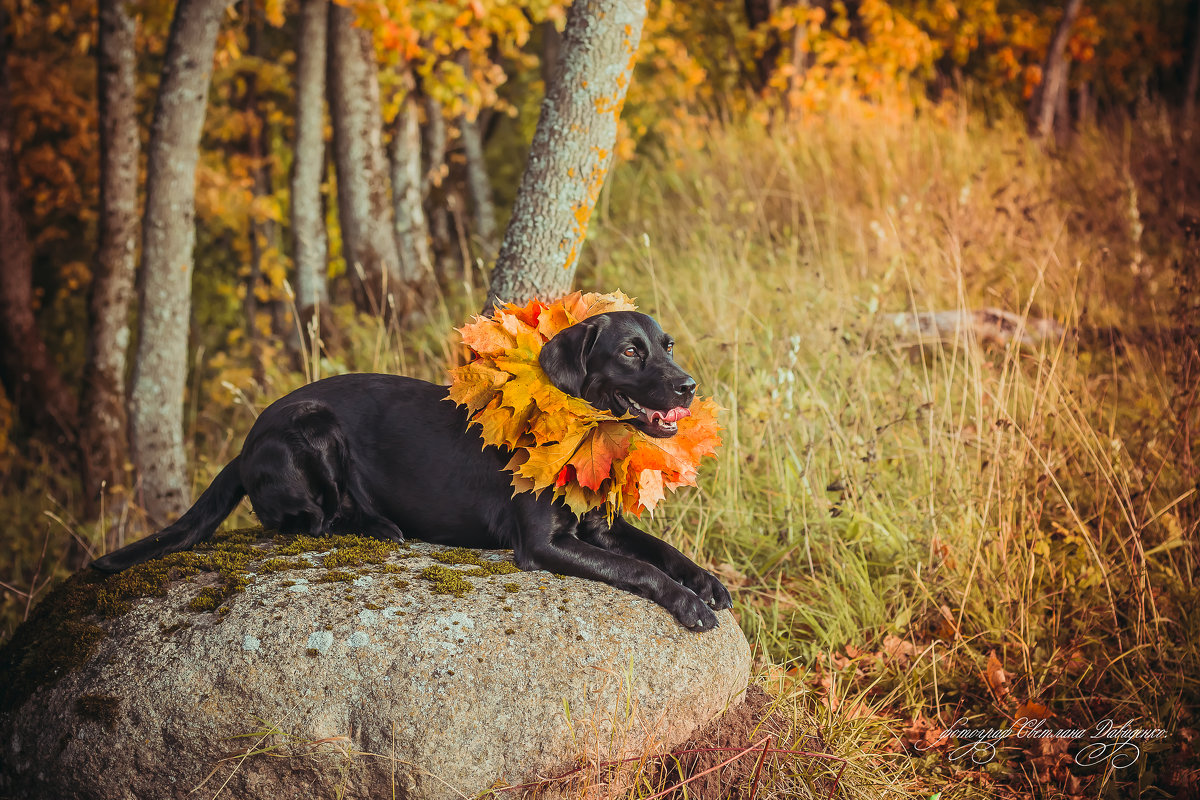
(653, 421)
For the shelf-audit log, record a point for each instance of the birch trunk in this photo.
(31, 377)
(104, 423)
(364, 208)
(168, 241)
(571, 151)
(412, 229)
(310, 244)
(1045, 100)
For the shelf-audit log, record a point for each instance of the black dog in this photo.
(385, 455)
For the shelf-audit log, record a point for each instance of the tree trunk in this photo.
(1054, 75)
(310, 244)
(103, 430)
(31, 377)
(551, 50)
(1192, 86)
(1083, 106)
(412, 229)
(168, 241)
(479, 185)
(432, 184)
(364, 208)
(1062, 116)
(264, 233)
(571, 151)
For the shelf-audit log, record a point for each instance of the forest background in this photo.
(916, 528)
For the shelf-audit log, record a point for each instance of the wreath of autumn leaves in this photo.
(587, 457)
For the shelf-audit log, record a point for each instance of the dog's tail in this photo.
(197, 524)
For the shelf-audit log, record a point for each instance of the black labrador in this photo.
(387, 456)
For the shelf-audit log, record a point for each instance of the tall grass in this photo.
(891, 514)
(971, 500)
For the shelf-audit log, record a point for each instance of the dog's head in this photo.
(621, 362)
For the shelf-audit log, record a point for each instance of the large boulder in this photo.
(297, 667)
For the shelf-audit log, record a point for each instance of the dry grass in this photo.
(897, 520)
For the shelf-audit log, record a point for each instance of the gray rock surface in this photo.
(367, 685)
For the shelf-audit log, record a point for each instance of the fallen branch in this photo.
(982, 324)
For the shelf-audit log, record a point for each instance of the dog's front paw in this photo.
(709, 589)
(691, 612)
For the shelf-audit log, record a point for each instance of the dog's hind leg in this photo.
(359, 513)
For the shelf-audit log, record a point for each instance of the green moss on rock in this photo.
(446, 580)
(337, 576)
(207, 600)
(281, 564)
(63, 630)
(356, 551)
(466, 556)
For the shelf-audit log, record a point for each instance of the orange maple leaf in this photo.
(486, 340)
(473, 387)
(594, 459)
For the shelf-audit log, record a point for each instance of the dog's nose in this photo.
(686, 387)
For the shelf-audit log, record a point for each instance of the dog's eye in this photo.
(631, 352)
(670, 347)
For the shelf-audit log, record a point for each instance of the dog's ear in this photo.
(564, 358)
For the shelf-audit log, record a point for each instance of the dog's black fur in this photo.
(386, 456)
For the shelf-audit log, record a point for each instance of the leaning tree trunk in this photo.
(1046, 99)
(368, 238)
(310, 246)
(103, 430)
(571, 151)
(31, 377)
(168, 241)
(412, 229)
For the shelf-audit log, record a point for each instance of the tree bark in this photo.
(264, 233)
(1045, 100)
(412, 229)
(364, 208)
(168, 241)
(479, 185)
(32, 379)
(103, 430)
(310, 244)
(551, 50)
(571, 151)
(433, 183)
(1083, 106)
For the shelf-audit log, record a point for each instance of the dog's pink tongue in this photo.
(676, 414)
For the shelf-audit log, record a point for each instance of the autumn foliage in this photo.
(586, 457)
